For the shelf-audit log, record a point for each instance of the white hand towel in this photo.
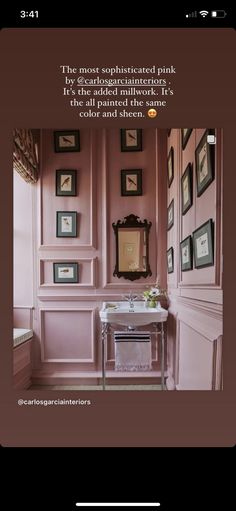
(133, 351)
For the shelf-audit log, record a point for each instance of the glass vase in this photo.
(152, 303)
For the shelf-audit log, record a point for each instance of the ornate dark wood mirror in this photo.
(132, 248)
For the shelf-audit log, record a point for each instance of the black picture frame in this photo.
(205, 163)
(187, 189)
(66, 224)
(67, 141)
(66, 183)
(170, 166)
(131, 182)
(130, 140)
(60, 270)
(170, 215)
(203, 245)
(186, 254)
(185, 135)
(170, 260)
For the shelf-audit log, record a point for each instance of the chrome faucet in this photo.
(131, 298)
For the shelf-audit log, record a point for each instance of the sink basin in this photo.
(120, 313)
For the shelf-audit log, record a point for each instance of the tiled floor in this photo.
(95, 387)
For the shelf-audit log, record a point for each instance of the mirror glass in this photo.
(132, 248)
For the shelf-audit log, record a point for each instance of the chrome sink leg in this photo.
(104, 344)
(162, 357)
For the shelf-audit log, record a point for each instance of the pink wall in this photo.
(75, 327)
(66, 322)
(23, 242)
(203, 208)
(195, 321)
(81, 162)
(144, 206)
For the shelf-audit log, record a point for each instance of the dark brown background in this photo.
(205, 97)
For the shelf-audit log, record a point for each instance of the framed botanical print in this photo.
(65, 273)
(186, 254)
(205, 163)
(66, 141)
(66, 182)
(203, 247)
(66, 224)
(131, 140)
(185, 134)
(170, 215)
(131, 182)
(170, 260)
(187, 189)
(170, 166)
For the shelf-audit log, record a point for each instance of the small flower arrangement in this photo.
(154, 294)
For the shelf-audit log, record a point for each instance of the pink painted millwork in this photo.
(144, 206)
(195, 321)
(99, 203)
(67, 342)
(81, 162)
(67, 335)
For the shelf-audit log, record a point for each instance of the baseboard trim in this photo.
(150, 377)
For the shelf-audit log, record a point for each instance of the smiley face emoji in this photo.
(152, 113)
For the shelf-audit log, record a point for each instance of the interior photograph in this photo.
(117, 259)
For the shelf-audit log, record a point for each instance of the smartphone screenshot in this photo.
(117, 229)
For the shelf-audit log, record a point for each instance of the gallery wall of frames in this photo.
(194, 257)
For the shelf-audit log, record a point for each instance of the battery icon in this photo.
(218, 14)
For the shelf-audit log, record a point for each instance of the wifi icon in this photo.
(204, 13)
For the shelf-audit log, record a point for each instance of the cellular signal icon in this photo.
(204, 13)
(191, 15)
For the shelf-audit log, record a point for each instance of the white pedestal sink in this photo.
(121, 314)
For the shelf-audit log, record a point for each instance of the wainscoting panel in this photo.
(67, 335)
(195, 360)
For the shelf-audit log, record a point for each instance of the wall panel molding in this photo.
(109, 198)
(219, 207)
(127, 285)
(212, 294)
(104, 210)
(201, 323)
(85, 297)
(217, 380)
(58, 247)
(211, 309)
(196, 359)
(172, 349)
(64, 310)
(93, 202)
(80, 260)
